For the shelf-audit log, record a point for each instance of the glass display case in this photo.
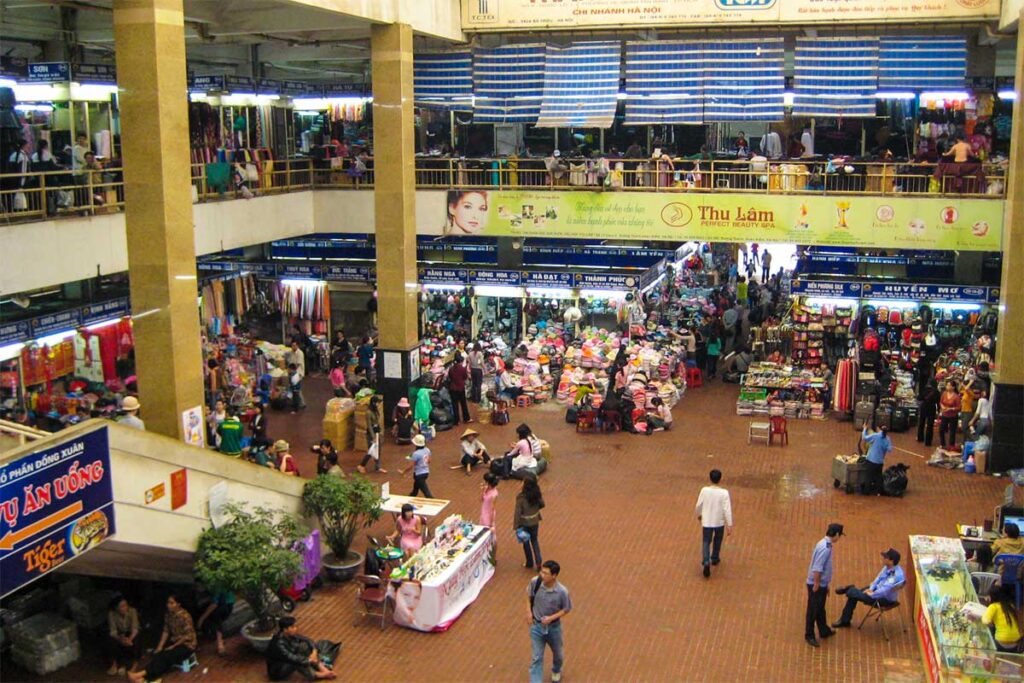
(957, 646)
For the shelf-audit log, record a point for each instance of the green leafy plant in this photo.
(343, 506)
(250, 556)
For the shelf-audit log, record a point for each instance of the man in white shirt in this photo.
(714, 510)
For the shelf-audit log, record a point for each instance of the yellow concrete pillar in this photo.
(395, 209)
(394, 184)
(149, 39)
(1008, 403)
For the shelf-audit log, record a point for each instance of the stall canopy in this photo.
(922, 63)
(664, 83)
(835, 77)
(508, 83)
(744, 79)
(444, 79)
(581, 85)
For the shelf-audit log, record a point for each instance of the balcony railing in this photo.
(42, 195)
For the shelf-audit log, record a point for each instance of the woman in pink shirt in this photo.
(488, 495)
(410, 528)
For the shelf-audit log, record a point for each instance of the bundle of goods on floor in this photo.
(784, 390)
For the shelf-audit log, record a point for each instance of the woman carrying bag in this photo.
(526, 523)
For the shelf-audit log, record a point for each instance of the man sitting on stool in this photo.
(882, 590)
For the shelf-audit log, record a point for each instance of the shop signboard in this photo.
(507, 278)
(443, 276)
(981, 83)
(206, 83)
(993, 295)
(15, 332)
(216, 266)
(14, 67)
(1004, 82)
(293, 88)
(361, 274)
(49, 72)
(269, 86)
(300, 272)
(55, 504)
(56, 322)
(924, 292)
(115, 308)
(826, 289)
(654, 272)
(97, 74)
(534, 15)
(908, 222)
(239, 84)
(263, 270)
(544, 278)
(606, 281)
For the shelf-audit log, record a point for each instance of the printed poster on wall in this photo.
(193, 431)
(500, 15)
(894, 222)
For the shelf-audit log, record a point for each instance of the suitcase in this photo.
(867, 398)
(900, 420)
(883, 418)
(868, 386)
(862, 412)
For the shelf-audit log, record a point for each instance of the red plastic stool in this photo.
(694, 378)
(524, 401)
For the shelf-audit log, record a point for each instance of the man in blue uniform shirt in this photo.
(883, 590)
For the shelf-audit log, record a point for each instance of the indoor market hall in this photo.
(511, 340)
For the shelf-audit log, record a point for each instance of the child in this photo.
(472, 451)
(488, 494)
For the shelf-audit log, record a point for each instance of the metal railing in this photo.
(41, 195)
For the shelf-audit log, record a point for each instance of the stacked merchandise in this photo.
(226, 301)
(338, 423)
(542, 313)
(204, 132)
(362, 418)
(844, 391)
(306, 304)
(783, 390)
(447, 312)
(104, 354)
(44, 643)
(454, 537)
(820, 333)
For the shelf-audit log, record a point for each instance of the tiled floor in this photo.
(620, 520)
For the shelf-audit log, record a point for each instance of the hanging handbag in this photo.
(20, 201)
(252, 174)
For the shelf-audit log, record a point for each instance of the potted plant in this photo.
(343, 506)
(252, 556)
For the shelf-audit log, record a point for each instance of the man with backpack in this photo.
(549, 602)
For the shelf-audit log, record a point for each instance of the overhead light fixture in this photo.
(1008, 95)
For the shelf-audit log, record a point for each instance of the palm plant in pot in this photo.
(252, 556)
(343, 506)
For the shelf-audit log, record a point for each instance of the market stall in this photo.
(770, 389)
(433, 587)
(955, 645)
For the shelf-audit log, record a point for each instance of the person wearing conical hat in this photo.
(473, 451)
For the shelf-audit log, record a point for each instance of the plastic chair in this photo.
(372, 595)
(585, 421)
(878, 610)
(778, 428)
(694, 377)
(612, 422)
(761, 431)
(985, 581)
(1010, 571)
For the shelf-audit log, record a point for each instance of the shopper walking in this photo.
(949, 411)
(766, 266)
(549, 603)
(527, 519)
(476, 371)
(819, 576)
(295, 381)
(458, 375)
(714, 511)
(420, 467)
(714, 350)
(927, 413)
(879, 445)
(372, 437)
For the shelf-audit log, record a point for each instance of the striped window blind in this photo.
(443, 79)
(581, 85)
(922, 63)
(508, 83)
(835, 77)
(664, 82)
(744, 79)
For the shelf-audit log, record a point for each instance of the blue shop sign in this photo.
(264, 270)
(269, 86)
(293, 88)
(443, 276)
(239, 84)
(349, 273)
(826, 289)
(543, 278)
(55, 504)
(99, 74)
(216, 266)
(206, 83)
(115, 308)
(925, 292)
(14, 67)
(993, 295)
(606, 281)
(56, 322)
(49, 72)
(507, 278)
(300, 272)
(13, 333)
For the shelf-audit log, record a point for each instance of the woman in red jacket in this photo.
(949, 412)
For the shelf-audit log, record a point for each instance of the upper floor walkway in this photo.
(46, 195)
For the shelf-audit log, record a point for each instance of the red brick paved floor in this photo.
(619, 519)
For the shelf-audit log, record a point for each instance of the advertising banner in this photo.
(896, 291)
(501, 15)
(54, 505)
(435, 604)
(891, 222)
